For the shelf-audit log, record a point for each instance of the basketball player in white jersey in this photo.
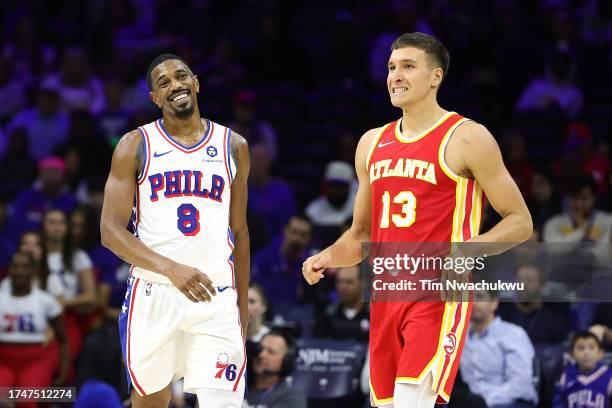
(182, 181)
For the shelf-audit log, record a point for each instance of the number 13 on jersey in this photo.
(407, 215)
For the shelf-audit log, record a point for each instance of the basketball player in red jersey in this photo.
(423, 178)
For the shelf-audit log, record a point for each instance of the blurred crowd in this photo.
(301, 81)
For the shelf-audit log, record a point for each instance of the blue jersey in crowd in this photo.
(590, 390)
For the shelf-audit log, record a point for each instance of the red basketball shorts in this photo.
(409, 340)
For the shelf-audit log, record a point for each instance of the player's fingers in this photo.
(207, 283)
(200, 292)
(320, 262)
(189, 296)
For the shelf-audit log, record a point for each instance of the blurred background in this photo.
(302, 81)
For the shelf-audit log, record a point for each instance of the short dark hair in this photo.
(585, 334)
(158, 60)
(431, 45)
(580, 182)
(24, 254)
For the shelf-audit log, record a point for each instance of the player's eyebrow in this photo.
(402, 60)
(162, 76)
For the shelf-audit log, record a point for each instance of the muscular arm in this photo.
(117, 209)
(238, 223)
(347, 249)
(481, 159)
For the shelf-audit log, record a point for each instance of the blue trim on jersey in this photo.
(229, 155)
(123, 323)
(231, 236)
(204, 138)
(144, 160)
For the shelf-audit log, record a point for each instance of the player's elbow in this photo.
(107, 235)
(526, 226)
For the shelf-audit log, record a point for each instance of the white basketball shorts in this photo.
(165, 336)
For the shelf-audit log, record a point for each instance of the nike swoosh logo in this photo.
(385, 144)
(161, 154)
(222, 289)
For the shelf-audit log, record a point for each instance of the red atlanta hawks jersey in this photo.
(416, 197)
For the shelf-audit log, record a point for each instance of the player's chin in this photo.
(398, 100)
(184, 111)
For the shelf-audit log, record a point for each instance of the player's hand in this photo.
(460, 277)
(314, 266)
(194, 284)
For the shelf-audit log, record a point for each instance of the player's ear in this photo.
(154, 99)
(436, 77)
(197, 83)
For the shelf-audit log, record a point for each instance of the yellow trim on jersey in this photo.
(445, 168)
(401, 138)
(476, 209)
(376, 400)
(447, 328)
(447, 324)
(459, 213)
(373, 146)
(458, 334)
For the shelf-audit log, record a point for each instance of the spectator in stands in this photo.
(543, 199)
(517, 161)
(274, 363)
(579, 154)
(48, 192)
(543, 323)
(588, 381)
(246, 122)
(26, 312)
(24, 47)
(46, 125)
(17, 169)
(583, 223)
(78, 87)
(12, 91)
(335, 206)
(111, 272)
(278, 266)
(70, 279)
(349, 317)
(269, 197)
(31, 243)
(7, 239)
(114, 121)
(93, 152)
(258, 306)
(497, 360)
(556, 90)
(221, 70)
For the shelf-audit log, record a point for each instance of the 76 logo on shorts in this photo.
(225, 367)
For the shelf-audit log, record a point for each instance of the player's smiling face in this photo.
(175, 88)
(411, 76)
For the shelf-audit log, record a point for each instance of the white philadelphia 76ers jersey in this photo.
(182, 202)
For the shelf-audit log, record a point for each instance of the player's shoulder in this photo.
(131, 139)
(471, 131)
(369, 137)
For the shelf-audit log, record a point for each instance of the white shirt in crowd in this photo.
(62, 282)
(24, 319)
